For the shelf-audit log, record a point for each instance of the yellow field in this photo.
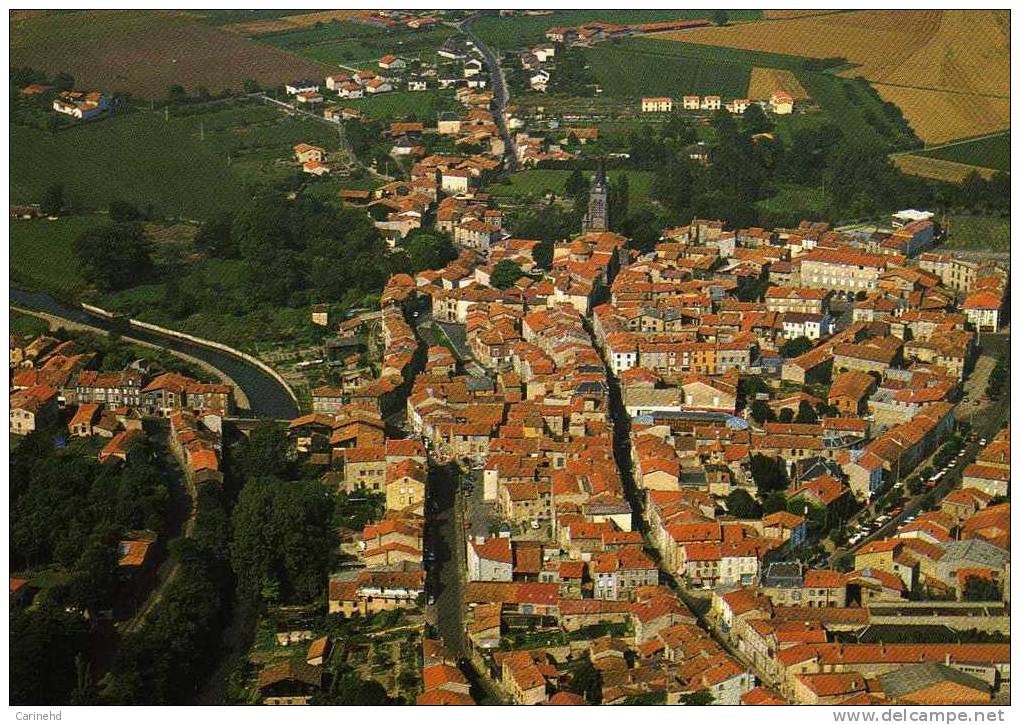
(766, 80)
(904, 53)
(938, 117)
(938, 169)
(291, 22)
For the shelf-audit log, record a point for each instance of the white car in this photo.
(983, 442)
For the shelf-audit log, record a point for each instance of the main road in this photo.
(500, 93)
(266, 396)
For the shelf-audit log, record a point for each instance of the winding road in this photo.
(266, 396)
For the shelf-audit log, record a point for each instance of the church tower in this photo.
(597, 218)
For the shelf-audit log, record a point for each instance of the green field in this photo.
(346, 43)
(980, 233)
(623, 71)
(793, 202)
(538, 182)
(405, 105)
(991, 152)
(519, 31)
(144, 159)
(41, 255)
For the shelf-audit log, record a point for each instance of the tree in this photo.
(795, 347)
(762, 412)
(215, 237)
(283, 539)
(785, 415)
(980, 589)
(805, 413)
(124, 211)
(251, 86)
(619, 201)
(428, 250)
(44, 642)
(63, 82)
(265, 452)
(52, 201)
(587, 681)
(769, 473)
(93, 583)
(701, 697)
(114, 256)
(505, 274)
(775, 501)
(576, 184)
(755, 121)
(176, 94)
(740, 503)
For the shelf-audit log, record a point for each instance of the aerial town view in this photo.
(509, 357)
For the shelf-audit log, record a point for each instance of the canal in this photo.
(267, 397)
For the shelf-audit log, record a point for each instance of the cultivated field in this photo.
(765, 81)
(785, 14)
(358, 45)
(938, 117)
(938, 169)
(291, 22)
(904, 53)
(146, 52)
(518, 31)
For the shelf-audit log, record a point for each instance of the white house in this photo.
(805, 324)
(711, 103)
(490, 560)
(376, 86)
(539, 80)
(472, 67)
(781, 103)
(656, 105)
(417, 85)
(334, 83)
(295, 87)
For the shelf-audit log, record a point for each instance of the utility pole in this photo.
(166, 113)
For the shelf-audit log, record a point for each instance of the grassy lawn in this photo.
(359, 45)
(795, 201)
(978, 233)
(423, 105)
(142, 158)
(991, 152)
(41, 254)
(537, 182)
(27, 325)
(520, 30)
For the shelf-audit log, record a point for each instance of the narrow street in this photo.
(446, 574)
(622, 454)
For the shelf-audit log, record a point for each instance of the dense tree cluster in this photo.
(114, 256)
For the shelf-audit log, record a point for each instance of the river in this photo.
(267, 397)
